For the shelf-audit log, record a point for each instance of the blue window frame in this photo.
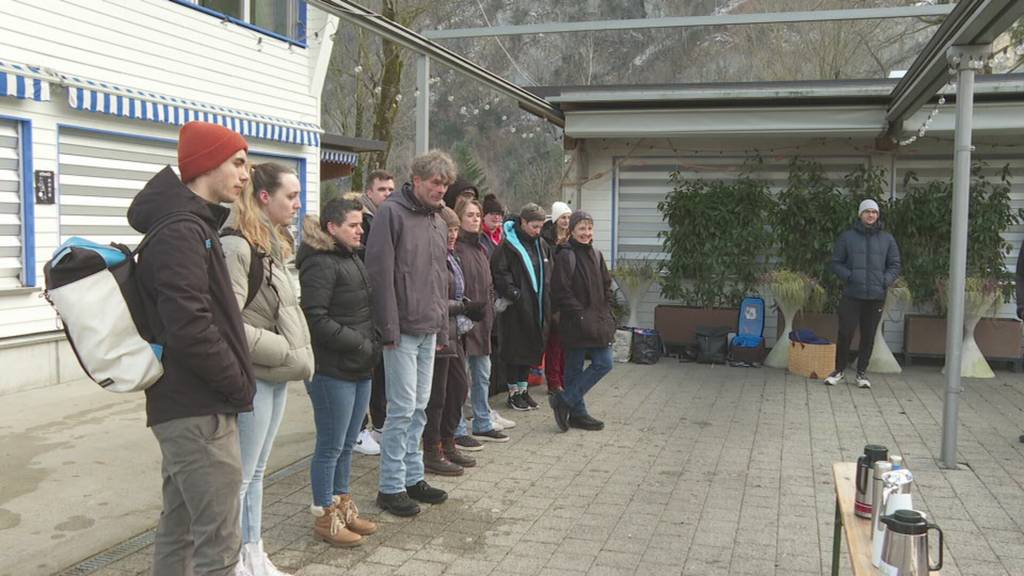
(281, 19)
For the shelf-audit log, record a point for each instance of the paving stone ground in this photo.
(701, 470)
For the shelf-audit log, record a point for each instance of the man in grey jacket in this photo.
(867, 259)
(406, 261)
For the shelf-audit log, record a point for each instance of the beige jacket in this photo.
(275, 326)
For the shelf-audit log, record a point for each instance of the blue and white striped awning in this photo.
(106, 98)
(338, 157)
(24, 82)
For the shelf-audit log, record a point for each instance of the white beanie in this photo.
(559, 208)
(868, 204)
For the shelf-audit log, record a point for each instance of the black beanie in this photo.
(451, 196)
(492, 205)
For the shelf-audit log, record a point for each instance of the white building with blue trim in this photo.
(92, 94)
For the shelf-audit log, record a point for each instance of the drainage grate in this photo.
(136, 543)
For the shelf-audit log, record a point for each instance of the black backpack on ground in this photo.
(712, 344)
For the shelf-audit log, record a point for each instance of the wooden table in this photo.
(858, 530)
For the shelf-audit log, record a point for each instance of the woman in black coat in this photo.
(521, 270)
(346, 347)
(582, 292)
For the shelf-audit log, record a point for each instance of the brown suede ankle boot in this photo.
(329, 526)
(452, 452)
(350, 514)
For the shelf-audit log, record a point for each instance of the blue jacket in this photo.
(867, 260)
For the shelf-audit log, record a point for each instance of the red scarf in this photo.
(495, 235)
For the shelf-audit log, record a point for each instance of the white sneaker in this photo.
(834, 378)
(244, 558)
(862, 381)
(256, 561)
(504, 423)
(376, 434)
(365, 444)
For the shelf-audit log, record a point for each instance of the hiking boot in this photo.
(435, 462)
(398, 504)
(561, 411)
(585, 422)
(350, 514)
(516, 402)
(329, 526)
(530, 402)
(426, 493)
(834, 378)
(505, 423)
(452, 453)
(862, 381)
(492, 436)
(468, 443)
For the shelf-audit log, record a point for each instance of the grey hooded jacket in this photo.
(867, 260)
(406, 258)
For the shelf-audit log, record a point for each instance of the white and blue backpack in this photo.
(95, 290)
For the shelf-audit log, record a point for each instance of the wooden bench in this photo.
(857, 529)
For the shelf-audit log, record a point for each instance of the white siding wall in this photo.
(642, 166)
(153, 45)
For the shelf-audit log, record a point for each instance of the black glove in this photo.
(474, 310)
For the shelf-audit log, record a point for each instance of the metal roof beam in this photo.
(694, 21)
(972, 22)
(406, 38)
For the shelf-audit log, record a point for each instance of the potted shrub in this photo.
(634, 278)
(922, 228)
(980, 296)
(791, 292)
(882, 359)
(716, 246)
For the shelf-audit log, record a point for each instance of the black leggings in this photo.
(854, 314)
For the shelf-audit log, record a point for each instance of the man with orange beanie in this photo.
(187, 295)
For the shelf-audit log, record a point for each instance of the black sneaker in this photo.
(398, 504)
(530, 402)
(468, 443)
(516, 402)
(491, 436)
(426, 493)
(561, 411)
(585, 422)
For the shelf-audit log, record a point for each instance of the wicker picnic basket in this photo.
(812, 360)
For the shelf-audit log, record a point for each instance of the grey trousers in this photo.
(199, 531)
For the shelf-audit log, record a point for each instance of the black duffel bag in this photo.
(713, 344)
(646, 348)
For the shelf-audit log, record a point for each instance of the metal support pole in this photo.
(422, 104)
(966, 60)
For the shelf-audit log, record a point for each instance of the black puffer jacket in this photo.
(187, 290)
(523, 325)
(582, 294)
(336, 301)
(867, 260)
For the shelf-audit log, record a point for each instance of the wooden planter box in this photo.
(998, 338)
(677, 325)
(825, 325)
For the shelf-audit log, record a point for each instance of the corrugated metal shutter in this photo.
(10, 207)
(100, 174)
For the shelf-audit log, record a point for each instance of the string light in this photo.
(928, 121)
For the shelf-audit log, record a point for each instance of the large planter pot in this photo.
(999, 339)
(634, 293)
(677, 325)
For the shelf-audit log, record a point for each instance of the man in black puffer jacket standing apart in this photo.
(867, 259)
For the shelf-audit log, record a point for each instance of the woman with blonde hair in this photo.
(257, 245)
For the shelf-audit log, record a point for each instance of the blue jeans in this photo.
(409, 371)
(479, 386)
(579, 381)
(256, 432)
(338, 409)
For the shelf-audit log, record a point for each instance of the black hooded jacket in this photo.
(187, 294)
(336, 300)
(867, 260)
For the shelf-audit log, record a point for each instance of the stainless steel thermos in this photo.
(905, 548)
(865, 478)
